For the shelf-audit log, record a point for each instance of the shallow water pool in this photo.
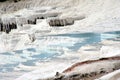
(49, 47)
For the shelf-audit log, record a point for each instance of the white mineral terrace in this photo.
(41, 39)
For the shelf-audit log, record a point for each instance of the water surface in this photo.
(50, 46)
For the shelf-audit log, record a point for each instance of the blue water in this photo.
(51, 51)
(90, 38)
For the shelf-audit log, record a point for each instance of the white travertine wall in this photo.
(93, 10)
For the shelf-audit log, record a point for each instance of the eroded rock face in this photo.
(92, 68)
(88, 70)
(7, 26)
(61, 22)
(12, 21)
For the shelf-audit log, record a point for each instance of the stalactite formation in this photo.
(7, 27)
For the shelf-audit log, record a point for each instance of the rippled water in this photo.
(49, 47)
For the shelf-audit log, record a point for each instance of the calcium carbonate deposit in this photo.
(60, 40)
